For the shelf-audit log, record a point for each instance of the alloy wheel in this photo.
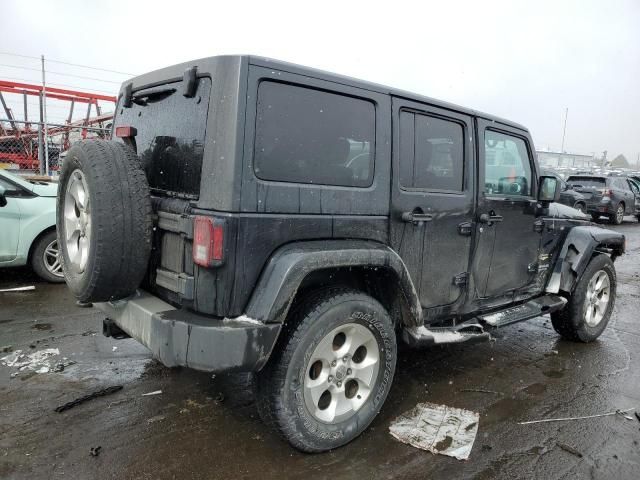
(77, 220)
(341, 373)
(51, 259)
(597, 298)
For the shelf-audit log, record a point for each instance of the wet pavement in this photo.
(204, 427)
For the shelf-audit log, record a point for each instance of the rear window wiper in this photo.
(142, 96)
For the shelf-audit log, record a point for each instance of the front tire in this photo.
(588, 311)
(45, 258)
(331, 372)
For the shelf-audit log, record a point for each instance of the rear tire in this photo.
(103, 220)
(575, 322)
(618, 217)
(319, 403)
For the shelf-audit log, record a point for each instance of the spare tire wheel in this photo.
(103, 220)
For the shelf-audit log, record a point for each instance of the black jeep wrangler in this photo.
(255, 215)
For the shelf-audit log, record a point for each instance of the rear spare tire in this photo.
(103, 220)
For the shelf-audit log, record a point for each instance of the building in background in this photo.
(565, 159)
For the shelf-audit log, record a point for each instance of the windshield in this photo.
(170, 136)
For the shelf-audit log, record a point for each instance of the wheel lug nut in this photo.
(345, 358)
(339, 384)
(331, 378)
(348, 371)
(334, 363)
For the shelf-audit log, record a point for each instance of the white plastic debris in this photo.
(438, 429)
(114, 349)
(18, 289)
(156, 392)
(36, 361)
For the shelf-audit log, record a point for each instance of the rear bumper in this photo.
(183, 338)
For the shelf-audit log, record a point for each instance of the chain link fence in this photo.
(32, 147)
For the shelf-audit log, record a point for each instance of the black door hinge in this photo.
(461, 279)
(532, 268)
(538, 226)
(465, 228)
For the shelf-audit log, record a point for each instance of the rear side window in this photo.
(170, 136)
(314, 137)
(621, 183)
(507, 167)
(431, 153)
(586, 182)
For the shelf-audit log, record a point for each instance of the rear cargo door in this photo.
(591, 188)
(170, 128)
(432, 198)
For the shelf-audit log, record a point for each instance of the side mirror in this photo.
(3, 199)
(548, 189)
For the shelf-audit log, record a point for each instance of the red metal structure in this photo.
(18, 141)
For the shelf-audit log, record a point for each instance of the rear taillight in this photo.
(208, 241)
(607, 192)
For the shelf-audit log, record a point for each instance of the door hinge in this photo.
(465, 228)
(461, 279)
(532, 268)
(538, 226)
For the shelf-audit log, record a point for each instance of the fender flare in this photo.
(579, 246)
(290, 264)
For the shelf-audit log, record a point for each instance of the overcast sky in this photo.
(526, 61)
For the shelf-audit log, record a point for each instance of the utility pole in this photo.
(40, 136)
(564, 130)
(46, 137)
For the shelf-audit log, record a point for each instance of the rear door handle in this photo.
(416, 217)
(490, 218)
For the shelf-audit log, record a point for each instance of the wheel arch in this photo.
(298, 268)
(36, 239)
(579, 247)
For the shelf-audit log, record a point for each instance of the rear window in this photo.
(312, 136)
(170, 136)
(586, 181)
(431, 153)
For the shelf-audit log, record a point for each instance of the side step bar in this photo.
(464, 333)
(533, 308)
(474, 332)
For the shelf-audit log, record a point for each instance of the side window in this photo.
(507, 166)
(431, 153)
(6, 185)
(314, 137)
(634, 187)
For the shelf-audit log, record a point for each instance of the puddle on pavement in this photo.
(536, 389)
(553, 373)
(502, 409)
(42, 326)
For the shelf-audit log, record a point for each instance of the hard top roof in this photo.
(175, 72)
